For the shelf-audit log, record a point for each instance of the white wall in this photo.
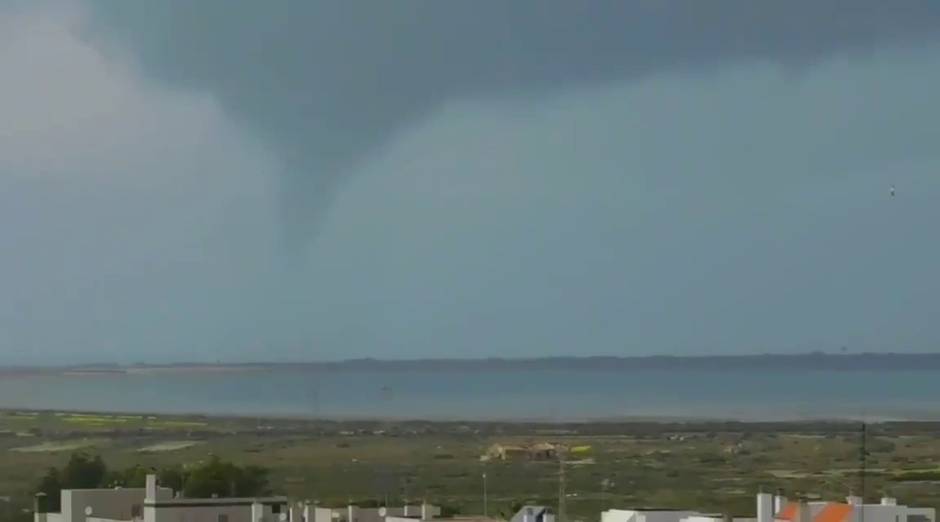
(358, 514)
(915, 514)
(881, 513)
(398, 519)
(877, 513)
(99, 519)
(201, 513)
(632, 515)
(319, 514)
(372, 514)
(208, 513)
(115, 504)
(665, 516)
(765, 507)
(702, 518)
(619, 515)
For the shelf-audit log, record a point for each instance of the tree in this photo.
(213, 478)
(173, 478)
(84, 471)
(220, 478)
(513, 509)
(253, 481)
(51, 485)
(449, 511)
(132, 477)
(81, 471)
(136, 477)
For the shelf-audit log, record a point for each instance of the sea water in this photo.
(546, 395)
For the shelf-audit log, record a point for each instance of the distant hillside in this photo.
(812, 361)
(806, 362)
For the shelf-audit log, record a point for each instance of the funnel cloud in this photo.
(466, 179)
(328, 83)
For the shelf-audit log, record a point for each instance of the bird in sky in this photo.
(892, 191)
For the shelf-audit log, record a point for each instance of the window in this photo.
(136, 511)
(222, 517)
(276, 508)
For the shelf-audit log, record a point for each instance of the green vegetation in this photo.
(214, 477)
(715, 467)
(81, 471)
(918, 476)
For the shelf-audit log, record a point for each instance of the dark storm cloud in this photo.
(633, 180)
(327, 83)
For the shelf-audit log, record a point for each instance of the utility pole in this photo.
(561, 485)
(485, 513)
(863, 454)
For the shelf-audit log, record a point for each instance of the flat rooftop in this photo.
(237, 501)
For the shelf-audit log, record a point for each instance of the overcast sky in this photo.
(241, 180)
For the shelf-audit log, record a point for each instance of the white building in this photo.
(354, 513)
(779, 509)
(666, 515)
(716, 518)
(534, 514)
(109, 504)
(645, 515)
(156, 504)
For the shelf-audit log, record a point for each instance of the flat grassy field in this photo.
(707, 466)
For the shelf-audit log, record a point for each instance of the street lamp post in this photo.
(484, 496)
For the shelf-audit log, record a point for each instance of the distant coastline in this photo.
(784, 362)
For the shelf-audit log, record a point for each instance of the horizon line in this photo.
(464, 360)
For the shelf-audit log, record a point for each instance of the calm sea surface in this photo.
(478, 395)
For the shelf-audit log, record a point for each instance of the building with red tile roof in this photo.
(853, 510)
